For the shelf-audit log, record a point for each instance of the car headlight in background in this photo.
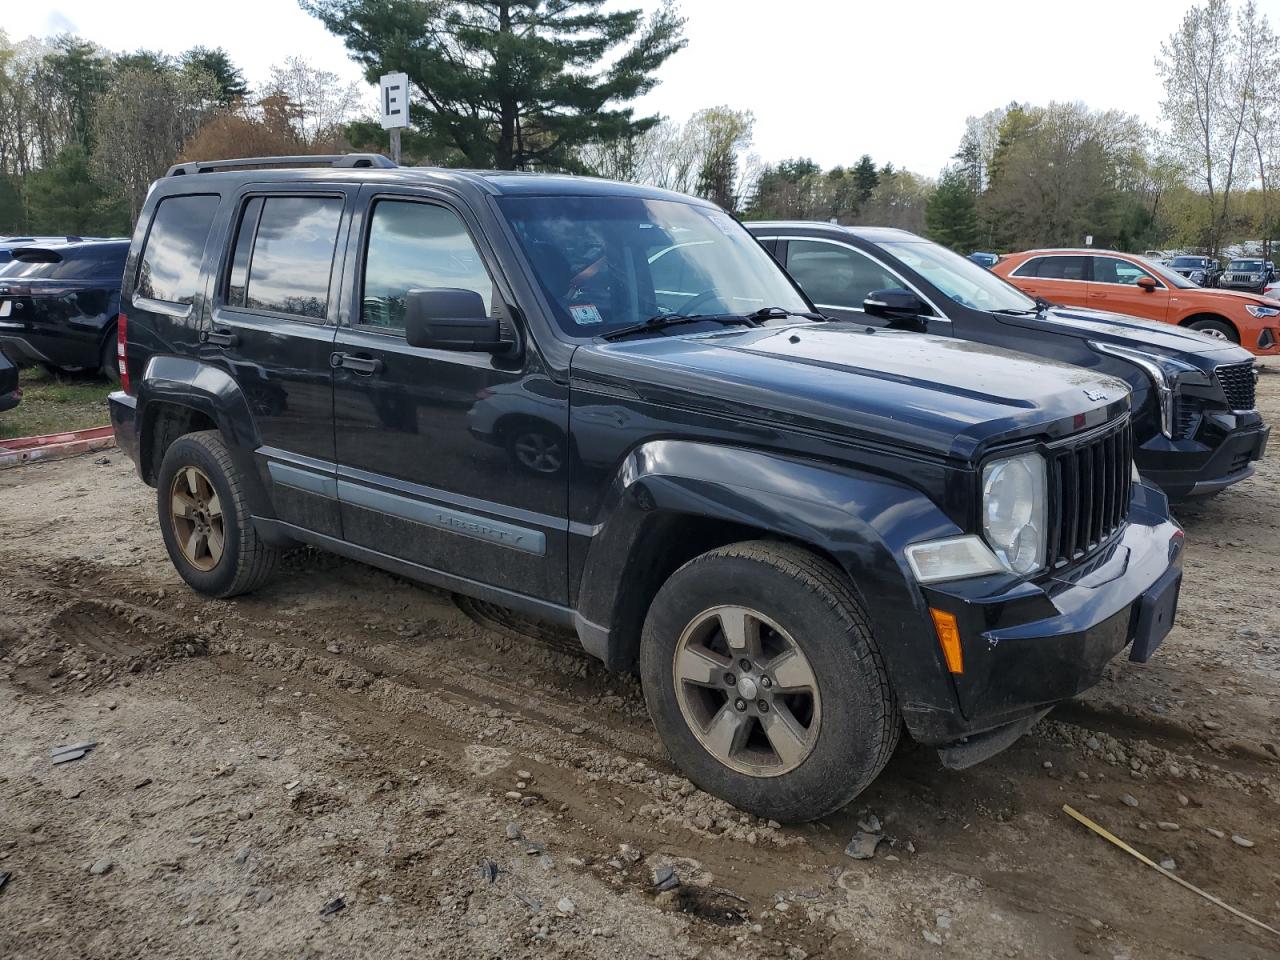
(1261, 312)
(1014, 511)
(1164, 374)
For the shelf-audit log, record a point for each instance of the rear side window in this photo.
(68, 263)
(170, 265)
(1055, 268)
(283, 255)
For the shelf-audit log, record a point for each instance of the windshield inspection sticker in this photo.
(585, 314)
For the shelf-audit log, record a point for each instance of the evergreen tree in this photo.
(226, 75)
(951, 214)
(78, 73)
(866, 178)
(512, 84)
(64, 198)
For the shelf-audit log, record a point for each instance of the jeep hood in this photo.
(946, 397)
(1151, 336)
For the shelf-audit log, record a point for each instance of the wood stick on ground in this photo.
(1108, 835)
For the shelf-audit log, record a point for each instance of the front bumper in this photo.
(1223, 453)
(124, 424)
(1032, 645)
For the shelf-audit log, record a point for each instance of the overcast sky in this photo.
(829, 79)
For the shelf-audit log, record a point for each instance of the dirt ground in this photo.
(345, 734)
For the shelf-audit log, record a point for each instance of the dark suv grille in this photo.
(1238, 384)
(1089, 480)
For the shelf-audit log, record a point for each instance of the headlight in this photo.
(1013, 511)
(1259, 311)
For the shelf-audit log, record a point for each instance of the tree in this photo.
(865, 178)
(722, 135)
(64, 197)
(951, 213)
(143, 121)
(78, 73)
(512, 84)
(227, 78)
(316, 102)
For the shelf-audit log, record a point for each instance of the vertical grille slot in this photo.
(1089, 484)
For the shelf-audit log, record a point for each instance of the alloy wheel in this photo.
(196, 515)
(747, 691)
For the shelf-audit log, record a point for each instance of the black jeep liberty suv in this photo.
(607, 407)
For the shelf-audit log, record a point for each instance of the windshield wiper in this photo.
(771, 313)
(672, 319)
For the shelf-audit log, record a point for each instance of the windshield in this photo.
(1171, 277)
(958, 277)
(609, 262)
(1190, 261)
(1253, 266)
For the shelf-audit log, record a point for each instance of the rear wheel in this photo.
(205, 519)
(764, 681)
(1218, 329)
(109, 366)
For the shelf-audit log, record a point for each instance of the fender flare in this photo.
(861, 520)
(211, 391)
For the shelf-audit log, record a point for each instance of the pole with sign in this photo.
(394, 101)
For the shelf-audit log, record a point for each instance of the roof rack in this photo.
(330, 159)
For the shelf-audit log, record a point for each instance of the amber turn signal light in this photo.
(948, 638)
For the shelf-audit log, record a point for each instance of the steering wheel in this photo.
(697, 298)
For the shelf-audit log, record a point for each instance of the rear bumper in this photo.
(64, 350)
(124, 424)
(1030, 646)
(1224, 453)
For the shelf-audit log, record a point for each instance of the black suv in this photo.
(1251, 274)
(802, 533)
(59, 302)
(1203, 271)
(1195, 427)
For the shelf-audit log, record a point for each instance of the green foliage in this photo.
(78, 75)
(865, 178)
(227, 78)
(64, 197)
(514, 84)
(952, 213)
(13, 212)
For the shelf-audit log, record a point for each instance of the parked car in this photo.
(1195, 427)
(7, 244)
(59, 303)
(984, 259)
(1202, 271)
(800, 532)
(1251, 274)
(10, 392)
(1124, 283)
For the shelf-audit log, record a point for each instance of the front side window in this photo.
(959, 278)
(608, 262)
(416, 246)
(1115, 270)
(283, 255)
(169, 268)
(836, 276)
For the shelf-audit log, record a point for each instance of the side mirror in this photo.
(1147, 284)
(894, 304)
(450, 319)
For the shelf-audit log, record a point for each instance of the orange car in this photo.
(1125, 283)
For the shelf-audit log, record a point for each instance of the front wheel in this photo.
(1218, 329)
(764, 681)
(205, 519)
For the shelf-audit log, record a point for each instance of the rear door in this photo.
(1058, 278)
(838, 278)
(1114, 286)
(272, 327)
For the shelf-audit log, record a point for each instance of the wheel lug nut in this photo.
(730, 679)
(766, 682)
(745, 664)
(740, 704)
(763, 705)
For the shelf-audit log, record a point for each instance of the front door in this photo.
(453, 460)
(1114, 287)
(272, 327)
(838, 278)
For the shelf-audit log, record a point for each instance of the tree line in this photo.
(507, 85)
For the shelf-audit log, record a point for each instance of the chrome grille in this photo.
(1089, 483)
(1238, 384)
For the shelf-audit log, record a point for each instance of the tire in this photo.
(853, 719)
(535, 446)
(110, 367)
(244, 561)
(1218, 329)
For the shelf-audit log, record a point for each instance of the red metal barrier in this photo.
(54, 446)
